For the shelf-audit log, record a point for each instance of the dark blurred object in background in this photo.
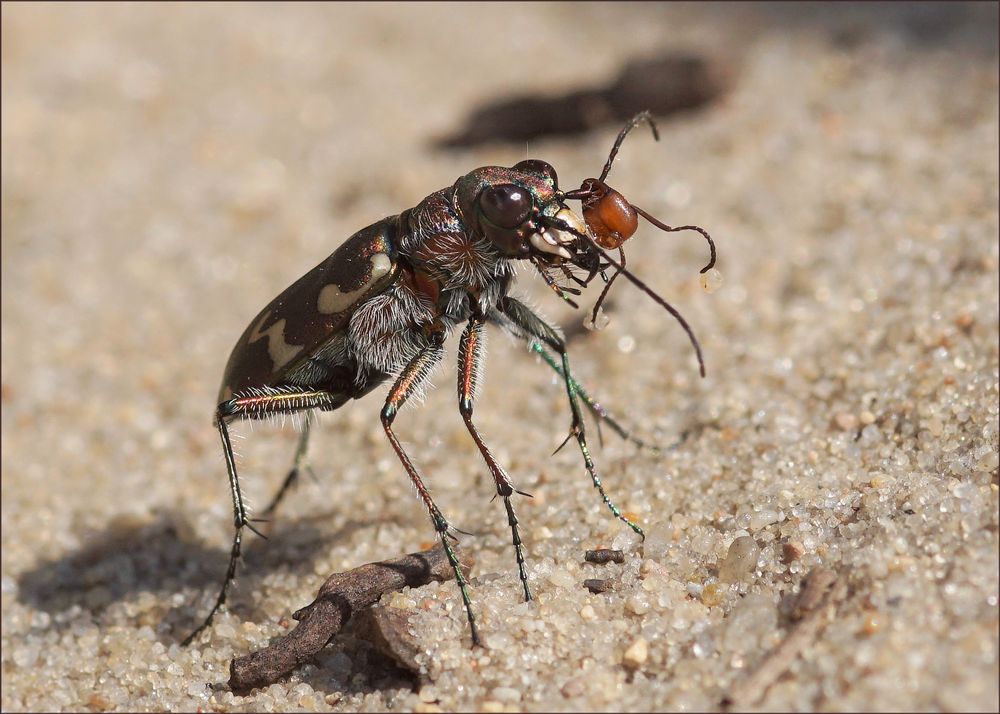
(663, 85)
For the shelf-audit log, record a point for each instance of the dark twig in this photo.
(822, 591)
(340, 597)
(604, 555)
(598, 585)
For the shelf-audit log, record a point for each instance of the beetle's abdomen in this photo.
(313, 310)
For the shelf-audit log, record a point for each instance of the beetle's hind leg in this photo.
(408, 382)
(299, 464)
(258, 404)
(470, 353)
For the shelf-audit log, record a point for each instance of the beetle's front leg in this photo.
(408, 382)
(531, 324)
(596, 408)
(599, 410)
(470, 356)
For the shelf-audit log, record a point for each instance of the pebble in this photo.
(574, 687)
(638, 604)
(431, 708)
(712, 594)
(740, 560)
(636, 654)
(792, 551)
(759, 519)
(846, 421)
(561, 578)
(873, 622)
(506, 694)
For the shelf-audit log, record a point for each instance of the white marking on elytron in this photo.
(280, 351)
(332, 300)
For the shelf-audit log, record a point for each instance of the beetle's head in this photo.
(520, 210)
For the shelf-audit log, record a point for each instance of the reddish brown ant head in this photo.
(609, 216)
(611, 219)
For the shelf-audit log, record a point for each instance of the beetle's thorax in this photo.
(446, 262)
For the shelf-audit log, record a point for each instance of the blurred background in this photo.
(168, 169)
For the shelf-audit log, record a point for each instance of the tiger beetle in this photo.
(382, 305)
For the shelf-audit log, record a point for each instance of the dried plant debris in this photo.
(598, 585)
(341, 596)
(389, 631)
(604, 555)
(816, 604)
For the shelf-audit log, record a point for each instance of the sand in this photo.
(168, 169)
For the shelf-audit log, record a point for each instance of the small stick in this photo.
(816, 603)
(340, 597)
(597, 585)
(604, 555)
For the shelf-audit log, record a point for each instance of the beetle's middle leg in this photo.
(259, 404)
(470, 356)
(408, 382)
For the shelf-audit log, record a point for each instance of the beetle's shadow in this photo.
(163, 557)
(665, 85)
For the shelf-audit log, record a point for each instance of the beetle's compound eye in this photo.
(505, 205)
(537, 166)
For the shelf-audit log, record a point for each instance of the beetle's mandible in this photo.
(382, 305)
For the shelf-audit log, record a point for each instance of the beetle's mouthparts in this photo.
(548, 242)
(555, 241)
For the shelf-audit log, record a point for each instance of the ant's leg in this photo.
(470, 355)
(409, 381)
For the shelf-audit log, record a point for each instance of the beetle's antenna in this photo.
(563, 225)
(632, 124)
(668, 229)
(663, 303)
